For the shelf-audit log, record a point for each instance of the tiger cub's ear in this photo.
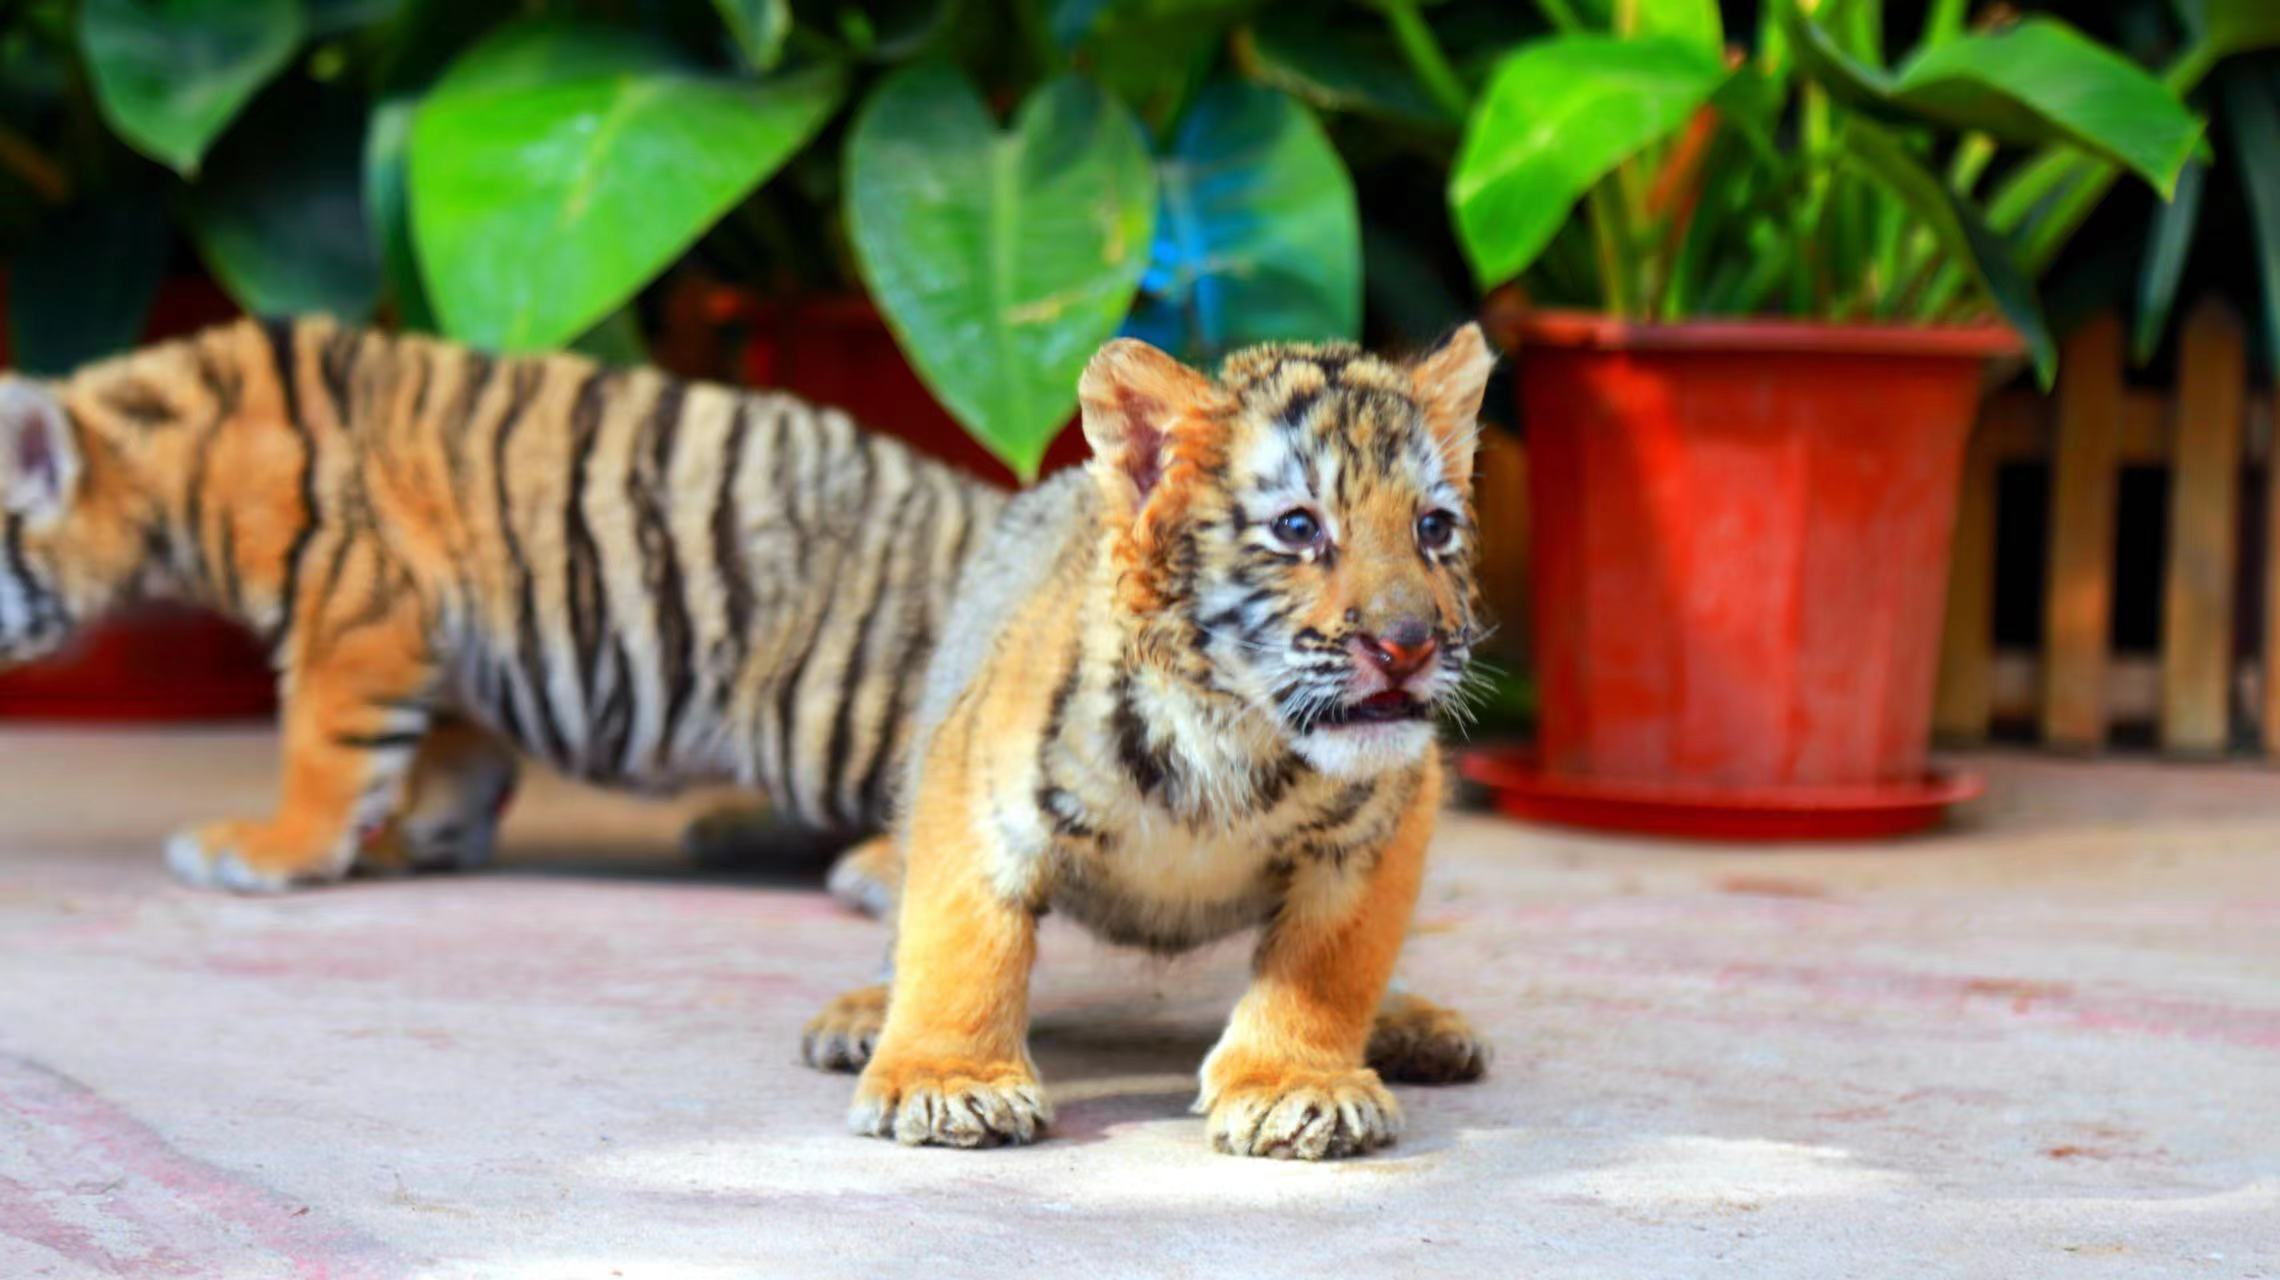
(1139, 406)
(39, 457)
(1448, 382)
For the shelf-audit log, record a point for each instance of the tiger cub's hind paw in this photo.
(842, 1036)
(1416, 1041)
(868, 877)
(1308, 1115)
(248, 857)
(950, 1103)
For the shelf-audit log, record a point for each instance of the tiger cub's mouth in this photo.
(1389, 707)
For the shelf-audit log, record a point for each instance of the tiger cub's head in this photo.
(1298, 532)
(72, 536)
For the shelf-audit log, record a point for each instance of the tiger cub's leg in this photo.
(952, 1063)
(461, 782)
(357, 707)
(868, 877)
(1415, 1041)
(1289, 1077)
(1412, 1040)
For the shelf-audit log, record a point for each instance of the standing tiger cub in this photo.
(634, 580)
(1183, 692)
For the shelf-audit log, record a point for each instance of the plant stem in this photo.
(1610, 236)
(1561, 16)
(1425, 58)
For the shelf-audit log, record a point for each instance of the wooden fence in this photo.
(2212, 438)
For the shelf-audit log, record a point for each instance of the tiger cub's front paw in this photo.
(249, 857)
(949, 1102)
(1304, 1115)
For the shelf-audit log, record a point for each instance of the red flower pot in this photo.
(158, 663)
(1741, 549)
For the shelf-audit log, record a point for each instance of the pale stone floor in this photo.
(2045, 1042)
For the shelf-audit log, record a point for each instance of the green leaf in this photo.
(2253, 108)
(2036, 82)
(1002, 260)
(1340, 68)
(1966, 239)
(388, 207)
(759, 27)
(1693, 22)
(2235, 26)
(171, 74)
(2166, 250)
(1558, 115)
(279, 213)
(616, 341)
(557, 167)
(81, 290)
(1257, 237)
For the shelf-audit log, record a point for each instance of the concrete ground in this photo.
(2046, 1042)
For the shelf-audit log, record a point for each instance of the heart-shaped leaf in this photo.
(1001, 259)
(1558, 115)
(82, 289)
(171, 74)
(557, 167)
(759, 27)
(2038, 81)
(1257, 237)
(388, 205)
(279, 213)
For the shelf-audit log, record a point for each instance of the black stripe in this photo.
(851, 680)
(613, 722)
(728, 552)
(529, 654)
(915, 642)
(336, 371)
(788, 487)
(282, 353)
(139, 403)
(646, 487)
(1144, 764)
(589, 604)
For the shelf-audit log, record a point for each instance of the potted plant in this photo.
(1761, 295)
(795, 178)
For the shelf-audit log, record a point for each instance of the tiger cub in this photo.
(634, 580)
(1185, 691)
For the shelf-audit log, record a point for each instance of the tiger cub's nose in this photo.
(1402, 652)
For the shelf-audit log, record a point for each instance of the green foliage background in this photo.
(1014, 181)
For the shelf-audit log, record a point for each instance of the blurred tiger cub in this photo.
(1185, 691)
(635, 580)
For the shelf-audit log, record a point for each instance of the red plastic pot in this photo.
(159, 663)
(1741, 539)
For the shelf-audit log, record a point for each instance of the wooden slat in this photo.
(1961, 710)
(2197, 613)
(2078, 602)
(2133, 687)
(2018, 424)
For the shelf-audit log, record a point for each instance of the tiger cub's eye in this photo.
(1435, 528)
(1297, 527)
